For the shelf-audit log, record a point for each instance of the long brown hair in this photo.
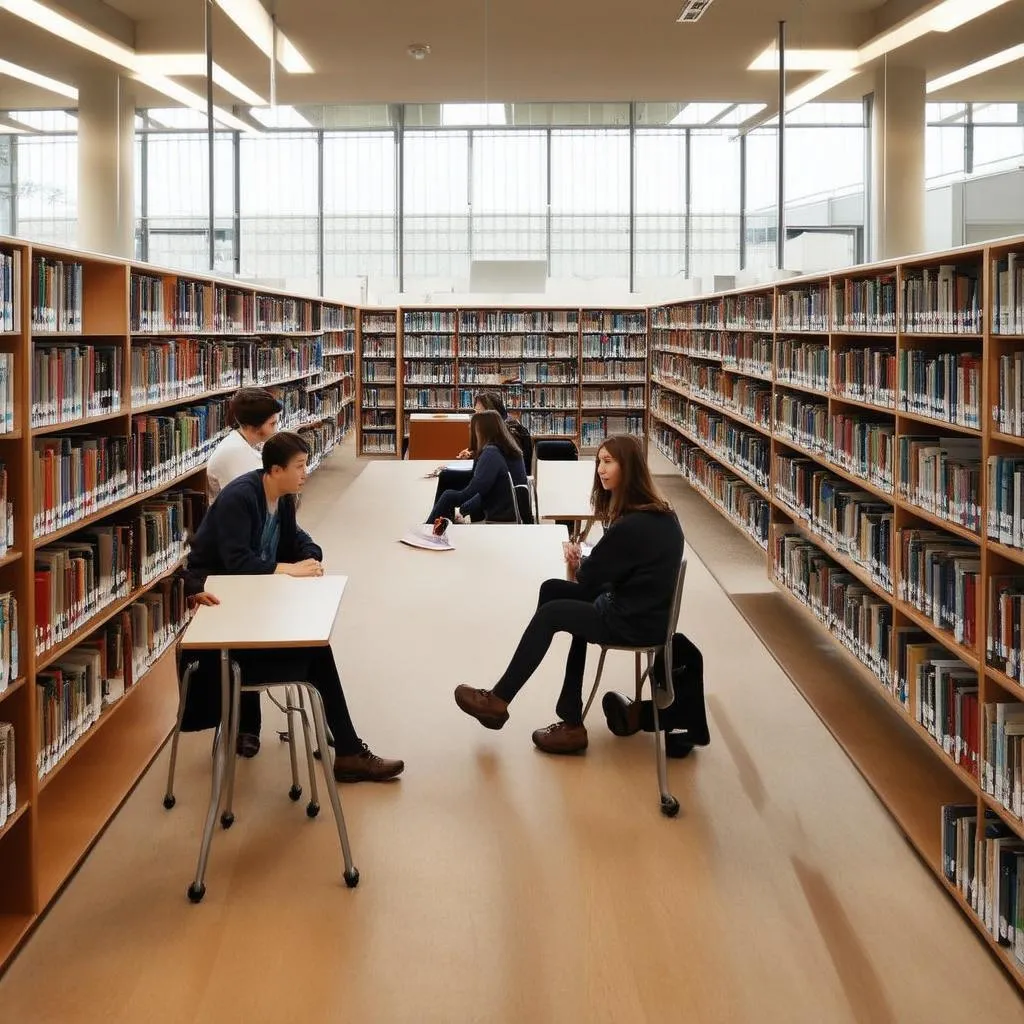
(489, 428)
(636, 491)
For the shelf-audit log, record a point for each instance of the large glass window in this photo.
(590, 204)
(360, 230)
(46, 188)
(660, 203)
(714, 204)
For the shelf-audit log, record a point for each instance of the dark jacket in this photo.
(228, 539)
(488, 493)
(632, 573)
(522, 437)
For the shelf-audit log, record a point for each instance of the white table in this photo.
(272, 611)
(563, 492)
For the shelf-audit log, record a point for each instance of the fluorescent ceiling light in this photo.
(954, 13)
(701, 113)
(34, 78)
(191, 99)
(280, 117)
(979, 67)
(692, 10)
(803, 60)
(816, 87)
(252, 18)
(193, 65)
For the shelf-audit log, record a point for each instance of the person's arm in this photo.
(236, 513)
(306, 546)
(489, 466)
(614, 555)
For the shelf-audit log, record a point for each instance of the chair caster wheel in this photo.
(317, 755)
(196, 892)
(227, 819)
(294, 793)
(169, 802)
(669, 806)
(352, 878)
(312, 809)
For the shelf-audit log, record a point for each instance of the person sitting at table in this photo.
(253, 413)
(622, 594)
(251, 530)
(449, 479)
(488, 495)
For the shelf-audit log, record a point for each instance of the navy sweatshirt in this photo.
(488, 492)
(228, 539)
(631, 574)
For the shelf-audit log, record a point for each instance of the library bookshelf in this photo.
(114, 383)
(565, 372)
(865, 429)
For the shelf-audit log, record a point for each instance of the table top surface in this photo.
(267, 611)
(563, 489)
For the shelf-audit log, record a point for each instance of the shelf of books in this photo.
(377, 394)
(114, 383)
(865, 430)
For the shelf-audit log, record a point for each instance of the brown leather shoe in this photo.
(366, 766)
(561, 738)
(489, 710)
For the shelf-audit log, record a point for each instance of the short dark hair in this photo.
(252, 407)
(492, 400)
(280, 449)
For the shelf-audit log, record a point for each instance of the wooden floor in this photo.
(501, 885)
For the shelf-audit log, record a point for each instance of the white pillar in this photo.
(898, 168)
(106, 164)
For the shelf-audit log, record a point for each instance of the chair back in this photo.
(555, 450)
(673, 620)
(524, 503)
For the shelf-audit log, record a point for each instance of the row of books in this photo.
(1005, 489)
(10, 291)
(943, 385)
(71, 382)
(528, 346)
(376, 347)
(337, 318)
(1004, 644)
(942, 475)
(1002, 774)
(379, 323)
(375, 419)
(802, 309)
(946, 704)
(379, 444)
(594, 429)
(748, 452)
(429, 320)
(802, 363)
(77, 577)
(429, 346)
(8, 773)
(1008, 294)
(379, 372)
(10, 661)
(73, 691)
(166, 304)
(505, 321)
(984, 861)
(944, 299)
(7, 392)
(56, 295)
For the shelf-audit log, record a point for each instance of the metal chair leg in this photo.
(639, 677)
(197, 890)
(669, 804)
(289, 702)
(351, 872)
(313, 807)
(227, 818)
(186, 678)
(597, 683)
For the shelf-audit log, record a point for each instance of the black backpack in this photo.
(687, 711)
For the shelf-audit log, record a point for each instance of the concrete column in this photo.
(898, 175)
(106, 164)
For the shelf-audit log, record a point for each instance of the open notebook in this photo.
(424, 537)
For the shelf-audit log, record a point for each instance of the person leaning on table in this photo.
(622, 594)
(251, 530)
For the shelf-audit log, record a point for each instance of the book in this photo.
(424, 537)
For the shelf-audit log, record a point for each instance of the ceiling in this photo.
(515, 50)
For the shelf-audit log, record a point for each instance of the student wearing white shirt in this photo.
(254, 413)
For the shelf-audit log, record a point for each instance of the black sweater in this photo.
(488, 492)
(228, 539)
(631, 574)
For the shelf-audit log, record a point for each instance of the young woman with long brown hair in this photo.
(487, 495)
(622, 594)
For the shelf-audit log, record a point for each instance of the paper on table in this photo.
(424, 537)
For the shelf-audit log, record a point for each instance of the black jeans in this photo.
(452, 480)
(562, 607)
(314, 665)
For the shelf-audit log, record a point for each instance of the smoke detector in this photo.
(692, 10)
(418, 51)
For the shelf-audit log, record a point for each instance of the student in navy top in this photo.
(622, 594)
(488, 495)
(251, 530)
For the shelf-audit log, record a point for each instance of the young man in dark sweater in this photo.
(251, 530)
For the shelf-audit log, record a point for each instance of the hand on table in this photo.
(205, 598)
(465, 454)
(306, 568)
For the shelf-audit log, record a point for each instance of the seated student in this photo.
(622, 594)
(254, 414)
(251, 530)
(487, 495)
(456, 479)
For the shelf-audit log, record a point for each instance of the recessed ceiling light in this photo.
(979, 67)
(692, 10)
(418, 51)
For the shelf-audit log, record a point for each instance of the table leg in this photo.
(197, 890)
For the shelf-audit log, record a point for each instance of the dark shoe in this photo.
(561, 738)
(248, 745)
(366, 766)
(489, 710)
(621, 714)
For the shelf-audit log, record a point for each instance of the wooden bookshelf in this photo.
(143, 360)
(866, 429)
